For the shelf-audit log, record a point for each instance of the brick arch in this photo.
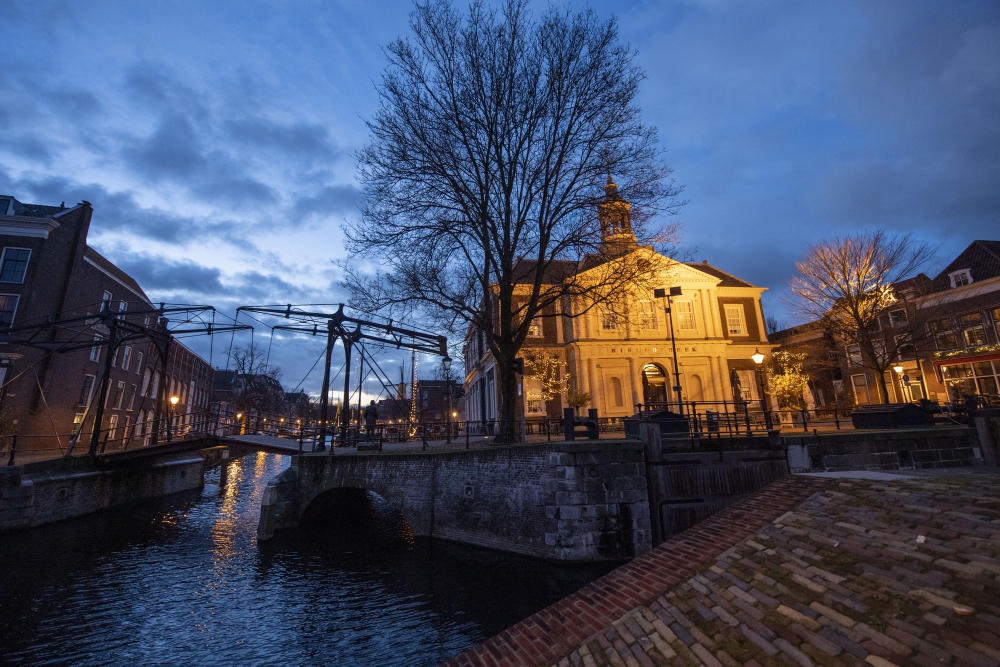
(397, 502)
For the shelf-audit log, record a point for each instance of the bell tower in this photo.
(614, 214)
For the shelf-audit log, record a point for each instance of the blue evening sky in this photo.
(215, 139)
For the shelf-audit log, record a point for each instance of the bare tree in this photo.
(258, 383)
(494, 136)
(851, 283)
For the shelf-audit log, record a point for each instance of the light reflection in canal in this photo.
(183, 581)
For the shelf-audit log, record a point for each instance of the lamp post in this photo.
(239, 422)
(758, 358)
(446, 365)
(660, 294)
(173, 404)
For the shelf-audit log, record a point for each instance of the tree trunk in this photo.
(885, 388)
(507, 432)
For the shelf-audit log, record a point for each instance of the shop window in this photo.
(533, 403)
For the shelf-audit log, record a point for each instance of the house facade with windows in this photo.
(623, 356)
(944, 339)
(47, 270)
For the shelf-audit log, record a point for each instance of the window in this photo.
(106, 301)
(145, 383)
(905, 348)
(112, 427)
(122, 306)
(77, 422)
(119, 395)
(617, 397)
(898, 318)
(944, 336)
(609, 321)
(853, 355)
(734, 320)
(8, 306)
(860, 383)
(138, 362)
(14, 265)
(960, 278)
(86, 391)
(126, 357)
(95, 351)
(533, 404)
(972, 329)
(131, 400)
(535, 327)
(748, 385)
(685, 316)
(114, 358)
(647, 315)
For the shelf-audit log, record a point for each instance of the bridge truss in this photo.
(350, 331)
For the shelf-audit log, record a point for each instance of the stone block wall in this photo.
(937, 447)
(37, 494)
(561, 501)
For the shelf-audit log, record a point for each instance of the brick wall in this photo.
(556, 630)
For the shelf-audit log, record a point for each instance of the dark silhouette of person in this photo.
(371, 416)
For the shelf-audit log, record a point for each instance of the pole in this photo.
(447, 414)
(673, 341)
(345, 411)
(361, 383)
(324, 398)
(105, 383)
(763, 398)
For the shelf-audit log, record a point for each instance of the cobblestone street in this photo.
(902, 571)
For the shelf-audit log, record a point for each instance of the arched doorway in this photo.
(654, 384)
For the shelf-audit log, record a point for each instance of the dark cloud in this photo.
(161, 274)
(330, 200)
(301, 140)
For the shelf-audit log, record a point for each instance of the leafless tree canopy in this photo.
(851, 282)
(257, 383)
(493, 140)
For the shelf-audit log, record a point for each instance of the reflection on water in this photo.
(183, 581)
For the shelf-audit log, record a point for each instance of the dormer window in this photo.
(960, 278)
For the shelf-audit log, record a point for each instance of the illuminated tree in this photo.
(851, 282)
(786, 379)
(548, 370)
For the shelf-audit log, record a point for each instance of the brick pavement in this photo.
(894, 572)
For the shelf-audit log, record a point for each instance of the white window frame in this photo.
(90, 392)
(138, 362)
(737, 309)
(126, 357)
(854, 388)
(535, 329)
(954, 277)
(851, 356)
(906, 318)
(3, 258)
(95, 351)
(647, 315)
(17, 303)
(682, 324)
(112, 427)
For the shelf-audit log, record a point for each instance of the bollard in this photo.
(835, 419)
(548, 430)
(13, 446)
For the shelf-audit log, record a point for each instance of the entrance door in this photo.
(654, 384)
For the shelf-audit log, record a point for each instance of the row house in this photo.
(943, 336)
(47, 397)
(623, 355)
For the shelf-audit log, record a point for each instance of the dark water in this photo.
(182, 581)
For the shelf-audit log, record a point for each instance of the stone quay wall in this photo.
(582, 501)
(934, 447)
(39, 493)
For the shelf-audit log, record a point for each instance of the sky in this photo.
(216, 140)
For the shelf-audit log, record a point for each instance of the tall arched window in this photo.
(145, 382)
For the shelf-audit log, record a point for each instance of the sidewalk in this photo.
(897, 570)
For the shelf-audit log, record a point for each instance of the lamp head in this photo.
(174, 400)
(758, 357)
(446, 364)
(239, 415)
(898, 369)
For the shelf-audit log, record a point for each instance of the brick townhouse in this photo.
(47, 270)
(952, 340)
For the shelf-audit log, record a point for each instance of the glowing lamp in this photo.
(174, 400)
(898, 369)
(758, 357)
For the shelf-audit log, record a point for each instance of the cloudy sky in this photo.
(215, 139)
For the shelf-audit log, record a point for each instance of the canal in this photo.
(182, 581)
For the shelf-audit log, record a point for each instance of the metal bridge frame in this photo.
(350, 330)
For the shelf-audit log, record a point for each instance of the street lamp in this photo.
(758, 358)
(660, 294)
(446, 365)
(173, 404)
(899, 376)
